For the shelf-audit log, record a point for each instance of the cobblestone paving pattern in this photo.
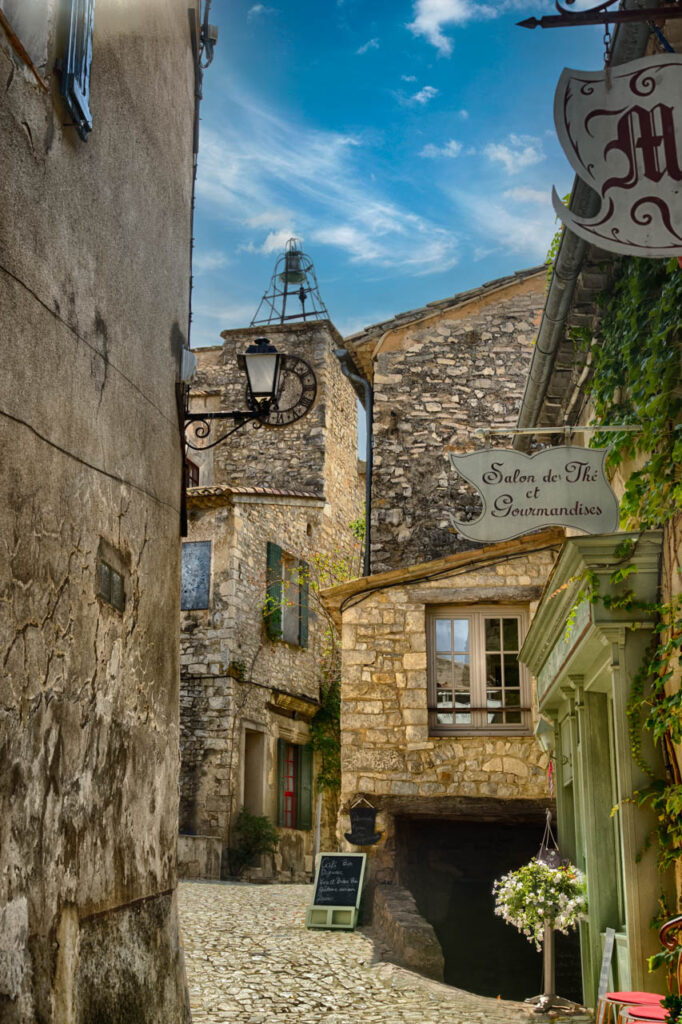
(251, 960)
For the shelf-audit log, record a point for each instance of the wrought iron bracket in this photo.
(601, 14)
(204, 422)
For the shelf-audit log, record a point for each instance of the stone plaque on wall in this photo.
(196, 575)
(564, 486)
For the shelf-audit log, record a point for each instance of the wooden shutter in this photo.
(75, 67)
(303, 602)
(273, 577)
(281, 779)
(304, 794)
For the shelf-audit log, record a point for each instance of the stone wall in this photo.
(199, 856)
(436, 381)
(411, 940)
(94, 289)
(388, 754)
(230, 667)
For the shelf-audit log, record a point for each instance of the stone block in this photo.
(414, 660)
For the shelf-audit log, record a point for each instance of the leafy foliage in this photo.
(251, 835)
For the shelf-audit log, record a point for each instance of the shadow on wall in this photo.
(450, 867)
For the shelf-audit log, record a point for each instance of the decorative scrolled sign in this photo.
(621, 129)
(564, 486)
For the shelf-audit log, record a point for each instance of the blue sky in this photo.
(409, 143)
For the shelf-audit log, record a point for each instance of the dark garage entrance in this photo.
(450, 866)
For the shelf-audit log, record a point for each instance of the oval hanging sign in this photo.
(621, 129)
(564, 486)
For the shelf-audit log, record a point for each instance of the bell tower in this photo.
(292, 281)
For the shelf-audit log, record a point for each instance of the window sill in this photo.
(500, 730)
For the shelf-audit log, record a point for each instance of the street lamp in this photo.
(262, 364)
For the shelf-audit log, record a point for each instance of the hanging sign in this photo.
(564, 486)
(621, 130)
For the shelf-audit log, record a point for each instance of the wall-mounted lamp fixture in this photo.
(262, 364)
(544, 734)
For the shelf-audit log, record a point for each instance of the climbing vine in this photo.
(636, 382)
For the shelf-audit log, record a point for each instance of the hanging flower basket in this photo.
(537, 895)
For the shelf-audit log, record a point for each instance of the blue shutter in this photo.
(75, 67)
(273, 580)
(303, 602)
(304, 796)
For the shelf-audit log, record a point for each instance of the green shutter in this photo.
(281, 778)
(303, 600)
(304, 795)
(273, 600)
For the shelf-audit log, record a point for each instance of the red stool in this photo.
(654, 1012)
(621, 1000)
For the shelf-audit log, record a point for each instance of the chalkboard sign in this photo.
(338, 880)
(338, 884)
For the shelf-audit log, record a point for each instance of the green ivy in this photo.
(636, 381)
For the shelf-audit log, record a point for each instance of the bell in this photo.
(293, 272)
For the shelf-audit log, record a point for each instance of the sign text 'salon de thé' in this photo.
(564, 486)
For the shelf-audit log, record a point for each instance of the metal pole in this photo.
(548, 961)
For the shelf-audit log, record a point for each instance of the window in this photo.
(295, 786)
(75, 66)
(475, 680)
(191, 474)
(286, 601)
(196, 575)
(111, 587)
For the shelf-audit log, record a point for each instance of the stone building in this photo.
(437, 714)
(439, 373)
(94, 295)
(269, 519)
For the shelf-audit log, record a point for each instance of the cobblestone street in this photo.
(250, 960)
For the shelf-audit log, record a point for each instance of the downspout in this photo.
(630, 41)
(344, 358)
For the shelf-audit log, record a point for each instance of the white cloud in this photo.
(463, 115)
(431, 16)
(424, 95)
(522, 194)
(409, 78)
(204, 262)
(451, 149)
(371, 44)
(517, 233)
(265, 175)
(259, 9)
(518, 152)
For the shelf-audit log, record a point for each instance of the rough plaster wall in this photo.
(386, 750)
(451, 375)
(93, 301)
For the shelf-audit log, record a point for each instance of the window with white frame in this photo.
(476, 683)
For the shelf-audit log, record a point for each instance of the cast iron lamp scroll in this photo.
(601, 14)
(262, 364)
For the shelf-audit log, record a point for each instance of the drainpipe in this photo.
(348, 369)
(630, 41)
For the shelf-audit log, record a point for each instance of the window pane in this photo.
(462, 700)
(511, 634)
(511, 670)
(492, 634)
(461, 631)
(493, 669)
(494, 698)
(512, 698)
(444, 698)
(444, 670)
(104, 581)
(444, 719)
(496, 718)
(513, 718)
(462, 718)
(462, 680)
(443, 635)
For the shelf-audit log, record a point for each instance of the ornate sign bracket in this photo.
(601, 14)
